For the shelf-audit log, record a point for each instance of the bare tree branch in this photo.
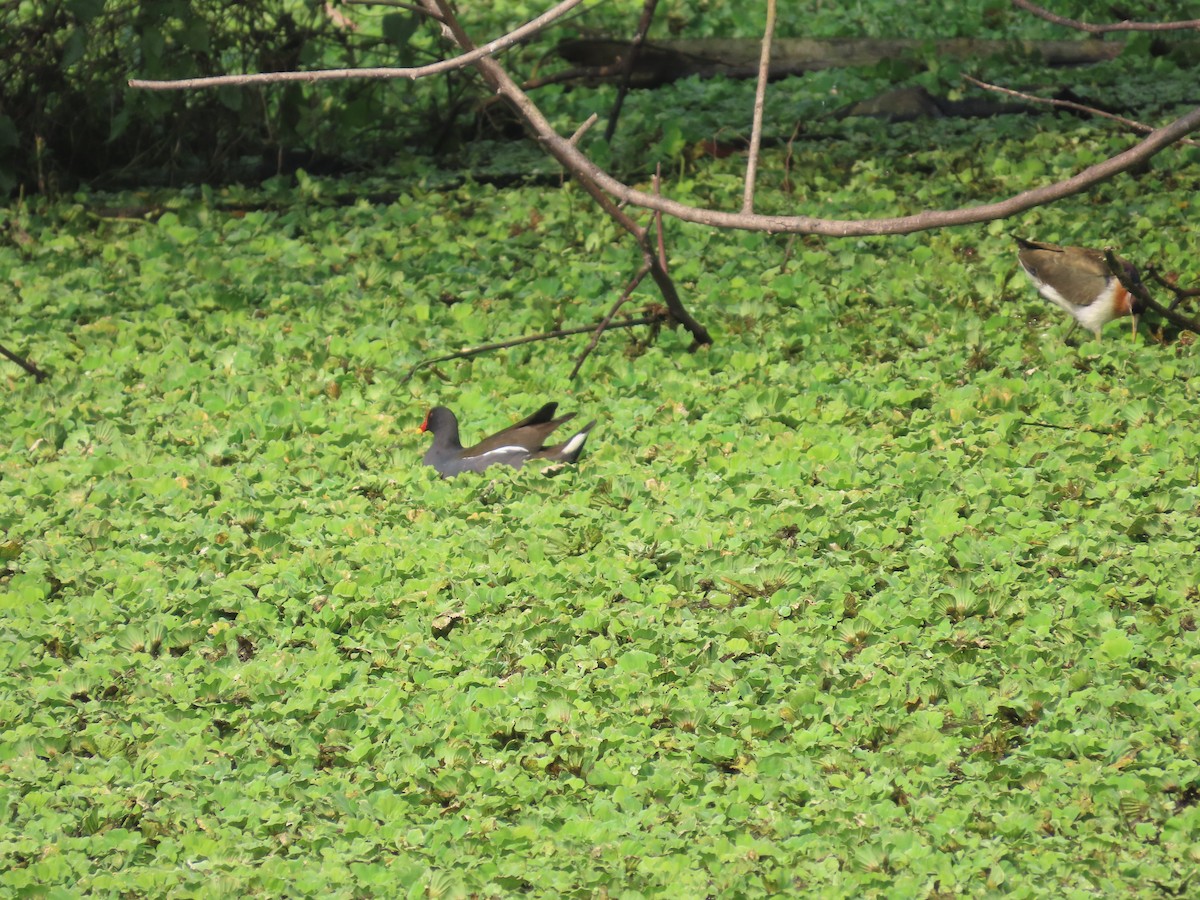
(411, 7)
(528, 339)
(760, 98)
(38, 374)
(639, 37)
(586, 171)
(600, 328)
(629, 289)
(447, 65)
(1104, 29)
(922, 221)
(565, 152)
(1132, 124)
(656, 261)
(1181, 294)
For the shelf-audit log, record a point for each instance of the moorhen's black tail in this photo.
(545, 414)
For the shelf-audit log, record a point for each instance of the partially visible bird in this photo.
(514, 446)
(1078, 281)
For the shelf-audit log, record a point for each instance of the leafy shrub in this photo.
(68, 114)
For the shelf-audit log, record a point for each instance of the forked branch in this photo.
(1138, 290)
(1181, 294)
(1131, 124)
(532, 27)
(592, 176)
(564, 150)
(579, 164)
(1127, 25)
(604, 323)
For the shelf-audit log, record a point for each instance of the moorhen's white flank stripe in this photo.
(500, 451)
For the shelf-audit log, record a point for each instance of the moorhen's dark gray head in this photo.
(440, 420)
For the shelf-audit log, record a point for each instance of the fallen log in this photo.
(661, 62)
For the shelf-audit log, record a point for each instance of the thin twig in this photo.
(787, 254)
(760, 99)
(459, 62)
(528, 339)
(658, 219)
(1091, 429)
(1104, 29)
(38, 375)
(579, 132)
(788, 186)
(635, 46)
(657, 261)
(1132, 124)
(603, 326)
(670, 295)
(411, 7)
(1135, 287)
(1181, 294)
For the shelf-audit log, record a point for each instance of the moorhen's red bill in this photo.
(1077, 281)
(514, 446)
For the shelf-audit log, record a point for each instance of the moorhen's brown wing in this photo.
(530, 433)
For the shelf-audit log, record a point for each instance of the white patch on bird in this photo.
(574, 443)
(502, 450)
(1091, 316)
(1055, 297)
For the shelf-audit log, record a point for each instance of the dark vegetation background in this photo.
(67, 116)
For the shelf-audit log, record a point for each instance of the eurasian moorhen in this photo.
(1078, 281)
(513, 446)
